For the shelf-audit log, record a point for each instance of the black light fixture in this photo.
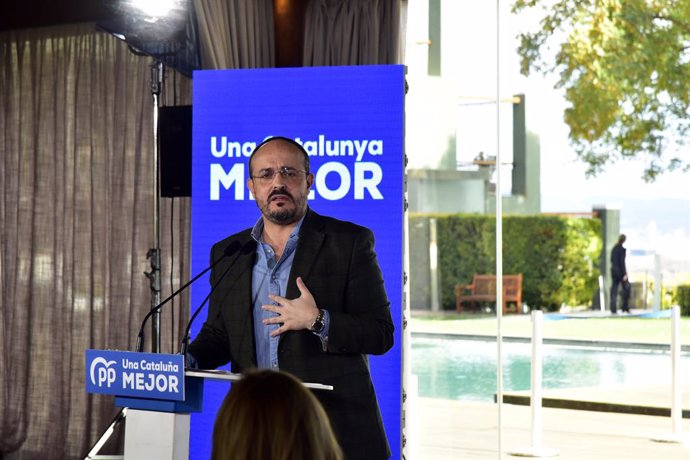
(163, 29)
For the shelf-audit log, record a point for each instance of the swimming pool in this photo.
(466, 369)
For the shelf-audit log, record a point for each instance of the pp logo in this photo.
(101, 372)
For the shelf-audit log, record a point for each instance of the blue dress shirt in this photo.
(271, 277)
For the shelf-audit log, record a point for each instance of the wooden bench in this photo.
(483, 289)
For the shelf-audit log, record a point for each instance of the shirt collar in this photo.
(258, 229)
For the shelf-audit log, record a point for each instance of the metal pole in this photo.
(154, 253)
(536, 378)
(499, 238)
(602, 293)
(93, 453)
(433, 258)
(676, 400)
(676, 436)
(536, 449)
(409, 385)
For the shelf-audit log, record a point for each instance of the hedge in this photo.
(558, 256)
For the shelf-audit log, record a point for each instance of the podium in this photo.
(157, 395)
(159, 428)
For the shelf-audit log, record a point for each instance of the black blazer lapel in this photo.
(240, 319)
(311, 239)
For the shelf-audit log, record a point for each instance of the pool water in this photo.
(466, 369)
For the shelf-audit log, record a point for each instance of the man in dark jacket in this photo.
(619, 276)
(305, 295)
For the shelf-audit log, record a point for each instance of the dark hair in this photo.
(271, 415)
(621, 239)
(284, 139)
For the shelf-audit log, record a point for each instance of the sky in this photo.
(655, 216)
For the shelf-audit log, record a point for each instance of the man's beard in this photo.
(284, 215)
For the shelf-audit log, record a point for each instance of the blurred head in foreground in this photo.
(271, 415)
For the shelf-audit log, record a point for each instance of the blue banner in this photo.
(350, 120)
(138, 375)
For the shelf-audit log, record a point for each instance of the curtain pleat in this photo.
(352, 32)
(235, 34)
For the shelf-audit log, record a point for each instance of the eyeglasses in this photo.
(287, 173)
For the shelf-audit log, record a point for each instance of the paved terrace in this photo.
(468, 430)
(583, 423)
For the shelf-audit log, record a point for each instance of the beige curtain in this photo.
(76, 170)
(352, 32)
(235, 34)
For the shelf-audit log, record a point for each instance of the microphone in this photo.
(229, 251)
(248, 247)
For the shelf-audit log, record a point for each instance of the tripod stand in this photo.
(153, 254)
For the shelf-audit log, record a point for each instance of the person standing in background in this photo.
(619, 276)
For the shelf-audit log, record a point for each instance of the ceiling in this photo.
(21, 14)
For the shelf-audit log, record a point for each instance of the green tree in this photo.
(625, 68)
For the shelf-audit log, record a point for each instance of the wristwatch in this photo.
(318, 324)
